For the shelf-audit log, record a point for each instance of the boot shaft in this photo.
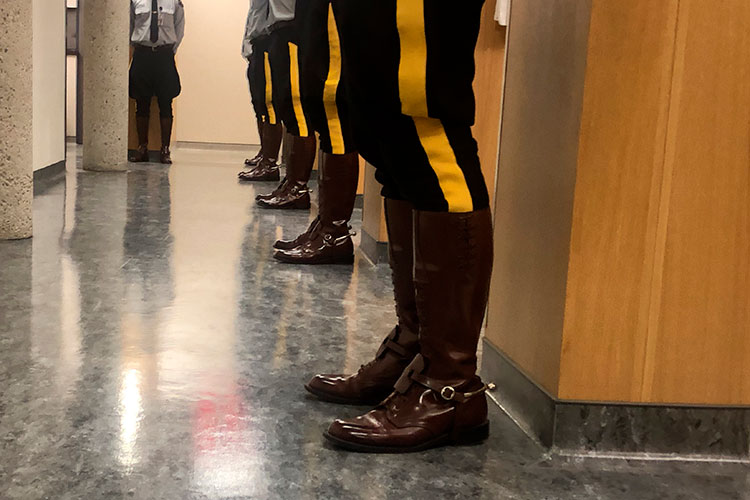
(166, 131)
(301, 159)
(270, 140)
(141, 124)
(399, 219)
(452, 271)
(338, 179)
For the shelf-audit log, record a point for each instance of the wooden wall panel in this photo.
(373, 214)
(488, 87)
(617, 196)
(699, 337)
(546, 57)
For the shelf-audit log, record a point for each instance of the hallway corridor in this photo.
(151, 348)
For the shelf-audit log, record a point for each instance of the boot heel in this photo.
(302, 204)
(348, 260)
(473, 435)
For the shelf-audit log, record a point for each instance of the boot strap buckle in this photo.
(448, 393)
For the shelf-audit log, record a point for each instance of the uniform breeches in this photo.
(154, 73)
(258, 75)
(409, 69)
(308, 79)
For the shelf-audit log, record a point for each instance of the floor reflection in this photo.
(150, 348)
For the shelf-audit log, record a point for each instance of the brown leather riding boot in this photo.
(295, 194)
(141, 124)
(282, 185)
(273, 135)
(438, 400)
(266, 171)
(270, 144)
(299, 240)
(253, 162)
(375, 380)
(165, 156)
(332, 243)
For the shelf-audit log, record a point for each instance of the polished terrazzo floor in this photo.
(150, 348)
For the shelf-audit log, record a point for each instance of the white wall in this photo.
(49, 82)
(215, 103)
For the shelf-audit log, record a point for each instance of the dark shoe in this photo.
(425, 414)
(276, 192)
(141, 125)
(297, 197)
(293, 193)
(330, 245)
(438, 400)
(375, 380)
(270, 144)
(254, 161)
(267, 171)
(165, 156)
(141, 155)
(299, 240)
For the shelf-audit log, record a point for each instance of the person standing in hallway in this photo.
(323, 100)
(282, 66)
(409, 66)
(255, 51)
(157, 28)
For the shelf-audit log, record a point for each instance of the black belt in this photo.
(158, 48)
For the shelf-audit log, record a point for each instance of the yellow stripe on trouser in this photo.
(412, 73)
(299, 113)
(269, 92)
(412, 83)
(443, 161)
(332, 86)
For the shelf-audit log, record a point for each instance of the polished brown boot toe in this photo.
(329, 246)
(299, 240)
(297, 197)
(266, 171)
(254, 161)
(375, 380)
(279, 189)
(422, 413)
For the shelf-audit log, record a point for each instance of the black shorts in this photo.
(409, 70)
(154, 73)
(258, 69)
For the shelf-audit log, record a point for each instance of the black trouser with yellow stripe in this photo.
(259, 78)
(308, 87)
(409, 69)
